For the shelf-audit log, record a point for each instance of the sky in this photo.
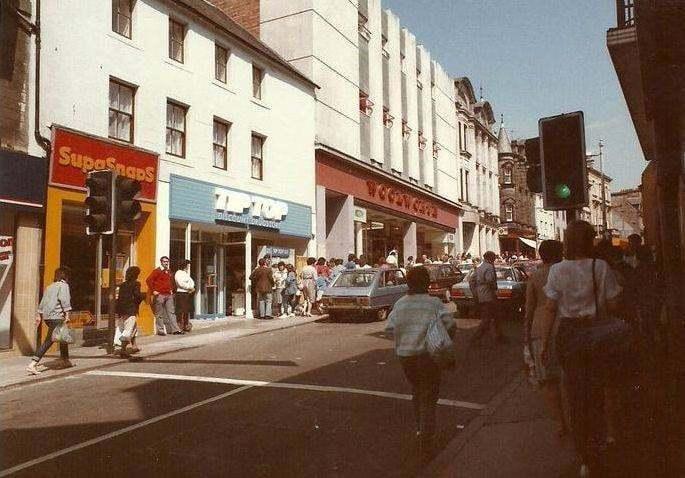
(535, 58)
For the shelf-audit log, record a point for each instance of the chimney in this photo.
(243, 12)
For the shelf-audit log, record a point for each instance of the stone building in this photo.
(626, 212)
(593, 213)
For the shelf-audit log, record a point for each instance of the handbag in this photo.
(62, 334)
(439, 345)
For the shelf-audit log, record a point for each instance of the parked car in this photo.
(364, 291)
(511, 291)
(443, 277)
(466, 267)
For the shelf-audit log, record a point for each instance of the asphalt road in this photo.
(323, 399)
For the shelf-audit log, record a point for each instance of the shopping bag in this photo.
(62, 334)
(439, 345)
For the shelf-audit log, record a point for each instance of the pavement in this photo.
(205, 332)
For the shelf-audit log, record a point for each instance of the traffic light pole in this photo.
(111, 306)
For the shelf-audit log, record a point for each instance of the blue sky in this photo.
(535, 58)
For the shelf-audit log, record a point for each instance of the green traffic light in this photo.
(562, 191)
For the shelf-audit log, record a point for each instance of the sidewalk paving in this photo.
(205, 332)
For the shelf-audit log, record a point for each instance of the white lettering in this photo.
(237, 202)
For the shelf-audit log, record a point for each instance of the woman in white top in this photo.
(571, 301)
(185, 287)
(309, 277)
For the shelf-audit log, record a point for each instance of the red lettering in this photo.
(373, 186)
(382, 191)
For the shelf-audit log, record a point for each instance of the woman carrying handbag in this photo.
(54, 310)
(581, 292)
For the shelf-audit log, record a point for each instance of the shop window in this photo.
(121, 98)
(176, 129)
(220, 144)
(220, 63)
(257, 80)
(177, 33)
(257, 157)
(122, 11)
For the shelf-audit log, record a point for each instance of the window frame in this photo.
(507, 174)
(171, 40)
(116, 14)
(260, 95)
(184, 133)
(227, 51)
(262, 140)
(131, 115)
(508, 212)
(216, 121)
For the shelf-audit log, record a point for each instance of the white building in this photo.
(593, 213)
(231, 121)
(389, 165)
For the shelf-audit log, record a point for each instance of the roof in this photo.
(503, 141)
(487, 109)
(222, 21)
(465, 83)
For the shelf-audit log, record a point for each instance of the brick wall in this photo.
(14, 71)
(243, 12)
(523, 199)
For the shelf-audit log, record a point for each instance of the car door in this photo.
(389, 287)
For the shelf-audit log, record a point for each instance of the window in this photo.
(436, 149)
(461, 147)
(121, 17)
(406, 130)
(220, 144)
(121, 111)
(422, 141)
(506, 173)
(387, 118)
(466, 181)
(176, 35)
(257, 78)
(364, 31)
(365, 104)
(461, 184)
(257, 157)
(220, 63)
(509, 212)
(176, 129)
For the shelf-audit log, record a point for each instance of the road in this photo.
(322, 399)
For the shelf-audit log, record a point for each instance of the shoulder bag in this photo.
(439, 345)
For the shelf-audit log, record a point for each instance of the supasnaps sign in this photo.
(75, 154)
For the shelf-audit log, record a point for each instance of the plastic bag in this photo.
(62, 334)
(439, 344)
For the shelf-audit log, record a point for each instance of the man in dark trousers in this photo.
(483, 282)
(262, 282)
(159, 284)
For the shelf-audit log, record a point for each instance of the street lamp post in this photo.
(604, 194)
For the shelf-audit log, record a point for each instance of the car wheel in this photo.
(382, 314)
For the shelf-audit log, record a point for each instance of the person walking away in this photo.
(309, 277)
(634, 244)
(128, 302)
(290, 291)
(263, 281)
(159, 284)
(54, 310)
(280, 275)
(548, 376)
(483, 281)
(574, 287)
(185, 287)
(409, 321)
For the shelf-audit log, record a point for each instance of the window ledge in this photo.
(176, 64)
(259, 102)
(124, 40)
(223, 86)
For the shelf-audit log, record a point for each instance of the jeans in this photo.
(288, 302)
(165, 314)
(489, 318)
(424, 377)
(63, 348)
(264, 299)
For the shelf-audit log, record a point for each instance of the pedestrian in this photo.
(383, 264)
(391, 260)
(351, 263)
(634, 244)
(483, 283)
(185, 287)
(547, 375)
(280, 274)
(410, 262)
(578, 289)
(337, 269)
(290, 291)
(263, 281)
(309, 276)
(362, 263)
(322, 268)
(54, 310)
(409, 321)
(128, 303)
(159, 284)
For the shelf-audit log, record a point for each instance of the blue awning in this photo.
(22, 179)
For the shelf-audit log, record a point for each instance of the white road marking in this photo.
(296, 386)
(101, 438)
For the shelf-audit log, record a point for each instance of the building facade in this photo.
(626, 212)
(594, 213)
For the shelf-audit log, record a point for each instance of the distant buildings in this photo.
(593, 213)
(626, 212)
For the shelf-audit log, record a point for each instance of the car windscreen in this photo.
(505, 274)
(433, 272)
(354, 279)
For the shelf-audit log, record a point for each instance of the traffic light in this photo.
(127, 206)
(99, 202)
(562, 154)
(534, 171)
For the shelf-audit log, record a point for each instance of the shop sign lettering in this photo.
(6, 249)
(398, 198)
(76, 154)
(236, 206)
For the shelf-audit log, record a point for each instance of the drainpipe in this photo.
(42, 140)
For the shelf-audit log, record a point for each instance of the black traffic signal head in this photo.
(562, 152)
(534, 171)
(99, 202)
(128, 207)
